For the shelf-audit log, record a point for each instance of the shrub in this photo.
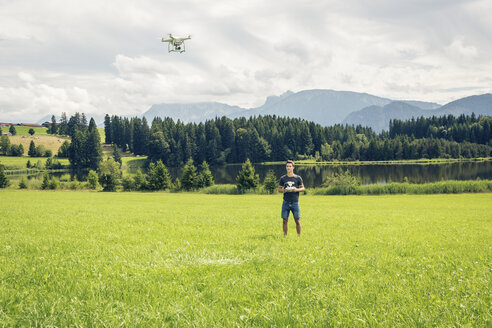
(50, 183)
(109, 175)
(53, 183)
(92, 180)
(128, 183)
(139, 179)
(75, 184)
(443, 187)
(227, 189)
(17, 150)
(22, 183)
(176, 186)
(342, 179)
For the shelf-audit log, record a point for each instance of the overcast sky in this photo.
(98, 56)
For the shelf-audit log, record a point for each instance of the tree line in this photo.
(460, 129)
(84, 150)
(271, 138)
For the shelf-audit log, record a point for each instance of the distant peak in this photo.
(270, 100)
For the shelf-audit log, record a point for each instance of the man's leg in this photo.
(285, 216)
(298, 226)
(296, 211)
(286, 226)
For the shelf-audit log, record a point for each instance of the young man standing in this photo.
(290, 185)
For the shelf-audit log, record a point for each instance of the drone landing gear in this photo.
(172, 48)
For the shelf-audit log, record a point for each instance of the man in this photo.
(291, 185)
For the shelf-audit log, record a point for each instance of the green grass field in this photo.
(160, 259)
(24, 130)
(19, 163)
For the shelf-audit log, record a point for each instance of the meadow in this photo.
(24, 130)
(188, 259)
(52, 143)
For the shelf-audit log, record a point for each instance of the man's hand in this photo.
(300, 189)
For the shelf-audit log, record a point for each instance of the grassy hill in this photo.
(50, 142)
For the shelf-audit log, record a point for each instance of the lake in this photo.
(314, 175)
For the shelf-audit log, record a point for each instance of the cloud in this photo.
(98, 57)
(458, 49)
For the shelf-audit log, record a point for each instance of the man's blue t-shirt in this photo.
(293, 181)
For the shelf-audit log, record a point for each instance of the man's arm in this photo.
(281, 189)
(300, 189)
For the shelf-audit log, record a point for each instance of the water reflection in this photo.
(370, 174)
(315, 175)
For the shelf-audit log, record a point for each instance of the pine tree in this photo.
(116, 154)
(12, 130)
(63, 128)
(77, 151)
(247, 179)
(107, 129)
(33, 152)
(158, 177)
(205, 177)
(92, 125)
(189, 179)
(158, 146)
(4, 145)
(53, 128)
(63, 150)
(4, 181)
(45, 183)
(22, 183)
(270, 182)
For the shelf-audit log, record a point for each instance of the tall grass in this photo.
(442, 187)
(229, 189)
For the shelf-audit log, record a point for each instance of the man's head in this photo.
(289, 166)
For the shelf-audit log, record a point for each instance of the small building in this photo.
(31, 125)
(6, 134)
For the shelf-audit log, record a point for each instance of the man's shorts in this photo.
(291, 206)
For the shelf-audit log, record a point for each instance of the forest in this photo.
(271, 138)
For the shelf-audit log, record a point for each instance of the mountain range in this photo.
(326, 107)
(378, 117)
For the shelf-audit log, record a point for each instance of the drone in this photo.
(176, 44)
